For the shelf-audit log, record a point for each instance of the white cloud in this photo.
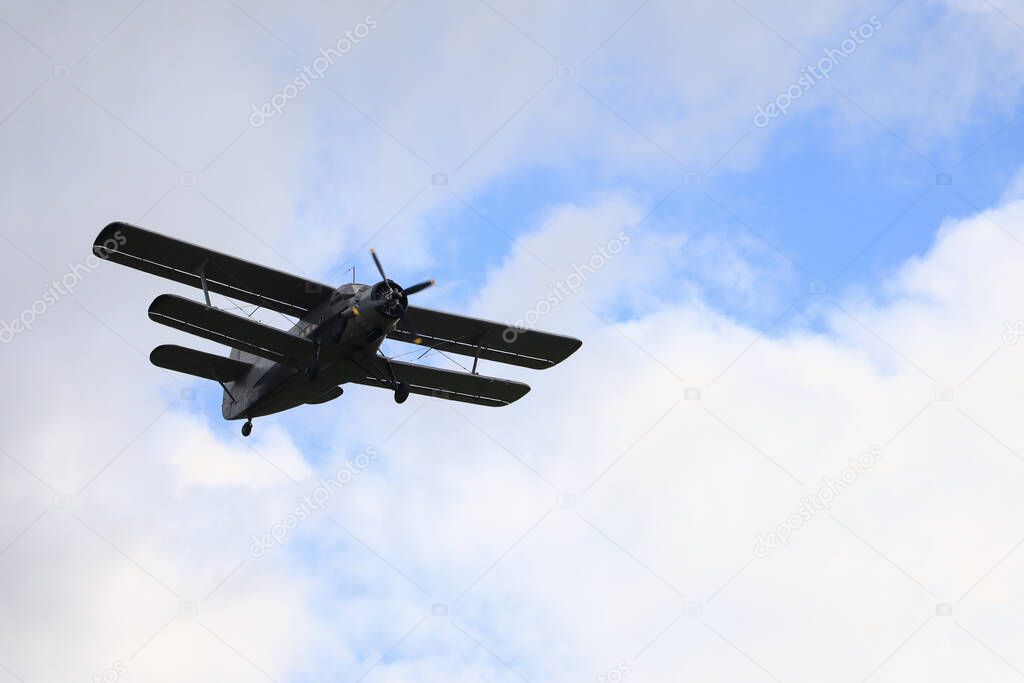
(686, 500)
(678, 511)
(203, 458)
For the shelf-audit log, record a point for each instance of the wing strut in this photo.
(220, 381)
(206, 285)
(470, 339)
(225, 388)
(476, 356)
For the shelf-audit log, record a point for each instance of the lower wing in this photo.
(466, 387)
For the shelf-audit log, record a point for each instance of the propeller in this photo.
(395, 295)
(380, 268)
(420, 287)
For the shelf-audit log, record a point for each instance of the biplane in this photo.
(336, 339)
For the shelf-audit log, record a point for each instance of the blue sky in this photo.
(847, 204)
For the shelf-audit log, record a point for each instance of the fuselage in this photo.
(348, 325)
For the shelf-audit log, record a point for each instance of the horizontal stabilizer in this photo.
(183, 262)
(485, 339)
(440, 383)
(198, 363)
(232, 330)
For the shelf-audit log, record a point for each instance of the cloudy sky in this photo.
(790, 448)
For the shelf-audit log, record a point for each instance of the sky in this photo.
(789, 448)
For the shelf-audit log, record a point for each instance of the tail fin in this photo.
(244, 357)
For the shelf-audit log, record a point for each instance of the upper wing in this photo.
(167, 257)
(485, 339)
(233, 330)
(454, 386)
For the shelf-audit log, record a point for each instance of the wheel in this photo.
(247, 428)
(311, 372)
(401, 392)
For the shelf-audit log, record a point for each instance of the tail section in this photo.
(244, 357)
(230, 407)
(226, 371)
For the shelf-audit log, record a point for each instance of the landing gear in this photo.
(247, 428)
(401, 392)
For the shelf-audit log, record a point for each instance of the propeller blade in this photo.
(409, 291)
(380, 268)
(407, 324)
